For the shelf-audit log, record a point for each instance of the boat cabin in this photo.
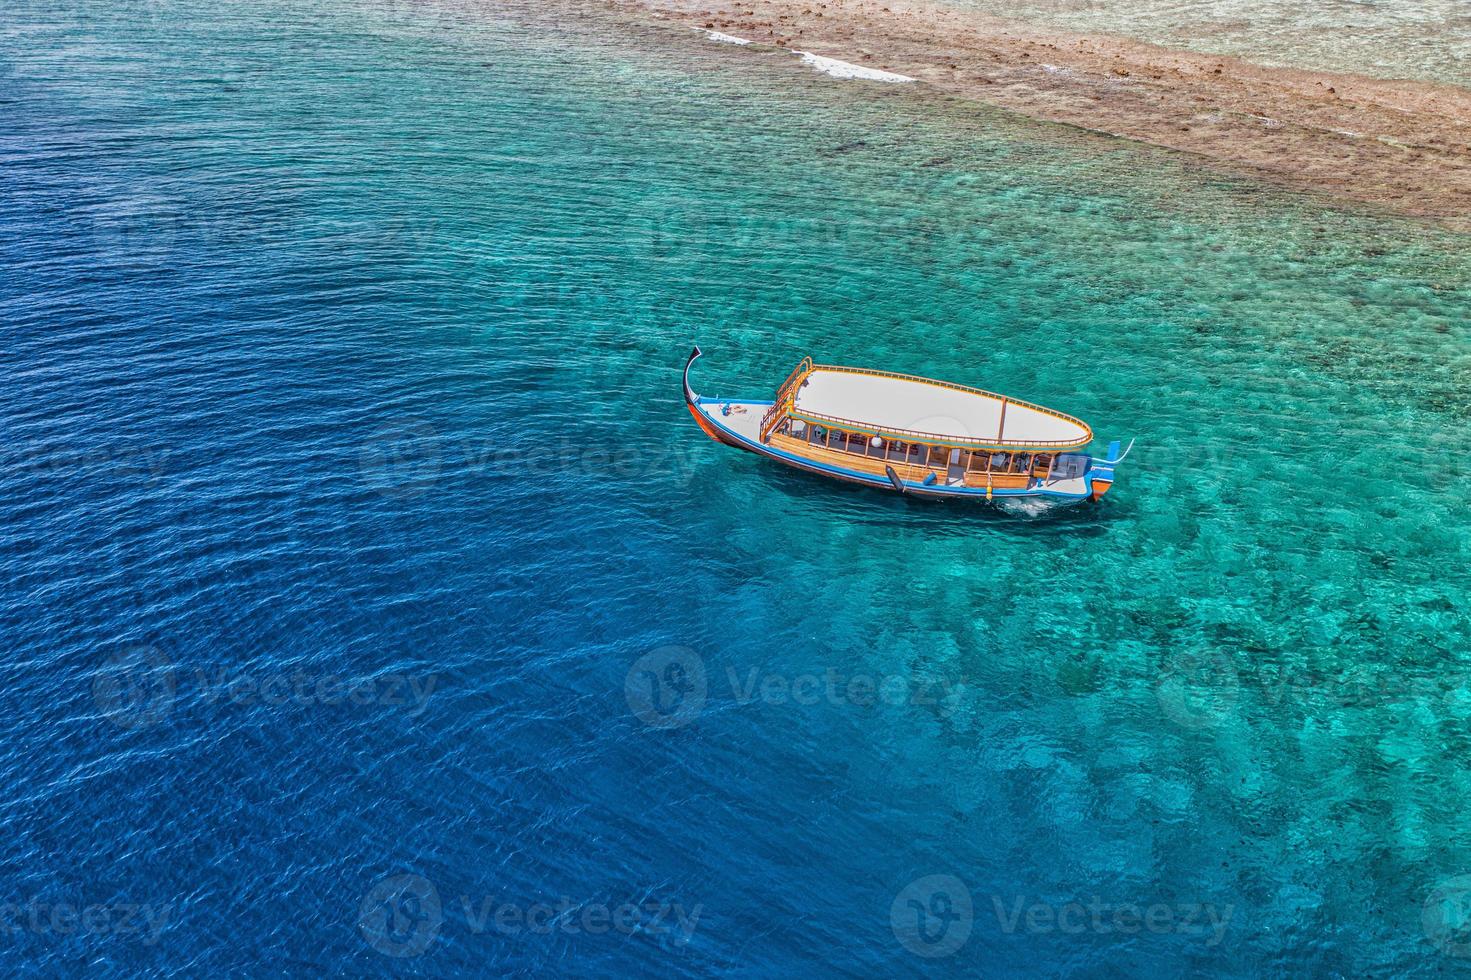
(911, 434)
(929, 432)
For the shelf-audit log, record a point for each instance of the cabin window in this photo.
(799, 429)
(999, 462)
(1021, 463)
(978, 462)
(817, 435)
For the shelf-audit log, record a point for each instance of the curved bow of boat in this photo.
(689, 393)
(692, 400)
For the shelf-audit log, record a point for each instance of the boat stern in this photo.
(1100, 474)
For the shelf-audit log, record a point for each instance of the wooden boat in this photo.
(917, 436)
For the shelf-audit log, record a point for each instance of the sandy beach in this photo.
(1402, 145)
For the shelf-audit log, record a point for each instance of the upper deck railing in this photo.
(784, 397)
(785, 405)
(936, 438)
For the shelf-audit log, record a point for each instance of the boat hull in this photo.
(739, 423)
(708, 414)
(705, 424)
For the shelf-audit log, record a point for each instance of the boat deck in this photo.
(744, 418)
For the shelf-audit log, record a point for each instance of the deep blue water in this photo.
(371, 604)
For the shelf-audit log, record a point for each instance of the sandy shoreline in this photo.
(1405, 145)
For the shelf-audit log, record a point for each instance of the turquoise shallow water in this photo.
(345, 342)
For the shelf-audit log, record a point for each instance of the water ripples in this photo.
(344, 345)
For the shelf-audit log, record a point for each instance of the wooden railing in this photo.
(784, 397)
(915, 472)
(916, 435)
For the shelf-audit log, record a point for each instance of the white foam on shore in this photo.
(828, 66)
(843, 69)
(726, 38)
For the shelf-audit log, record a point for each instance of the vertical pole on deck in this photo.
(1001, 429)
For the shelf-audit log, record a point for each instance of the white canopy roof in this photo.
(918, 406)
